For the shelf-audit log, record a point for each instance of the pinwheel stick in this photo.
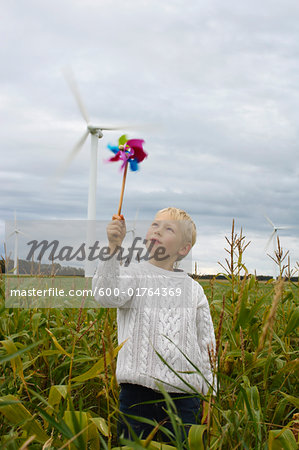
(122, 190)
(130, 153)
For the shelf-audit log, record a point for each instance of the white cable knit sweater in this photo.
(147, 312)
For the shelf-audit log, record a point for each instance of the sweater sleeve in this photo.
(206, 341)
(113, 285)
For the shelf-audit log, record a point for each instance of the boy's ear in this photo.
(185, 250)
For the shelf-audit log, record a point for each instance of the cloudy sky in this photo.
(215, 85)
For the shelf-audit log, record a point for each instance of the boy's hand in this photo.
(116, 231)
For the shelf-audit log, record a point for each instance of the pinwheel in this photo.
(130, 152)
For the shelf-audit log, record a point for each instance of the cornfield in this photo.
(58, 387)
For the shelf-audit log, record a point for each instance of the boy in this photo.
(160, 309)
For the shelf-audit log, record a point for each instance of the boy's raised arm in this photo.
(112, 284)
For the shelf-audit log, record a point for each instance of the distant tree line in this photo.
(222, 277)
(36, 268)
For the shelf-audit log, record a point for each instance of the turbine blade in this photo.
(70, 79)
(137, 127)
(270, 221)
(116, 127)
(60, 171)
(270, 239)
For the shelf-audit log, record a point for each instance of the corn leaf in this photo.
(16, 362)
(56, 393)
(99, 366)
(284, 440)
(101, 424)
(195, 437)
(9, 357)
(17, 414)
(293, 321)
(76, 421)
(56, 343)
(291, 399)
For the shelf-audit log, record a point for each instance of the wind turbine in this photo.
(273, 237)
(16, 233)
(274, 233)
(96, 132)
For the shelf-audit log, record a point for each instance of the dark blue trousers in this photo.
(132, 395)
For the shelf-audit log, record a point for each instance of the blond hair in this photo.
(189, 228)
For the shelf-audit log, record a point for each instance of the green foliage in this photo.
(57, 371)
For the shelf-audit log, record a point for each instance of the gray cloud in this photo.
(219, 83)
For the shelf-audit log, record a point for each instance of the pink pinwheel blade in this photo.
(136, 145)
(115, 158)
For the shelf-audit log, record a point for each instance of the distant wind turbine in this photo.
(274, 233)
(16, 233)
(273, 238)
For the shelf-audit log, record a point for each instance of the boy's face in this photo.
(166, 232)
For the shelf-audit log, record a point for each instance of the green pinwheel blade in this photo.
(123, 139)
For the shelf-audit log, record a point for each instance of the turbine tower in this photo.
(16, 233)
